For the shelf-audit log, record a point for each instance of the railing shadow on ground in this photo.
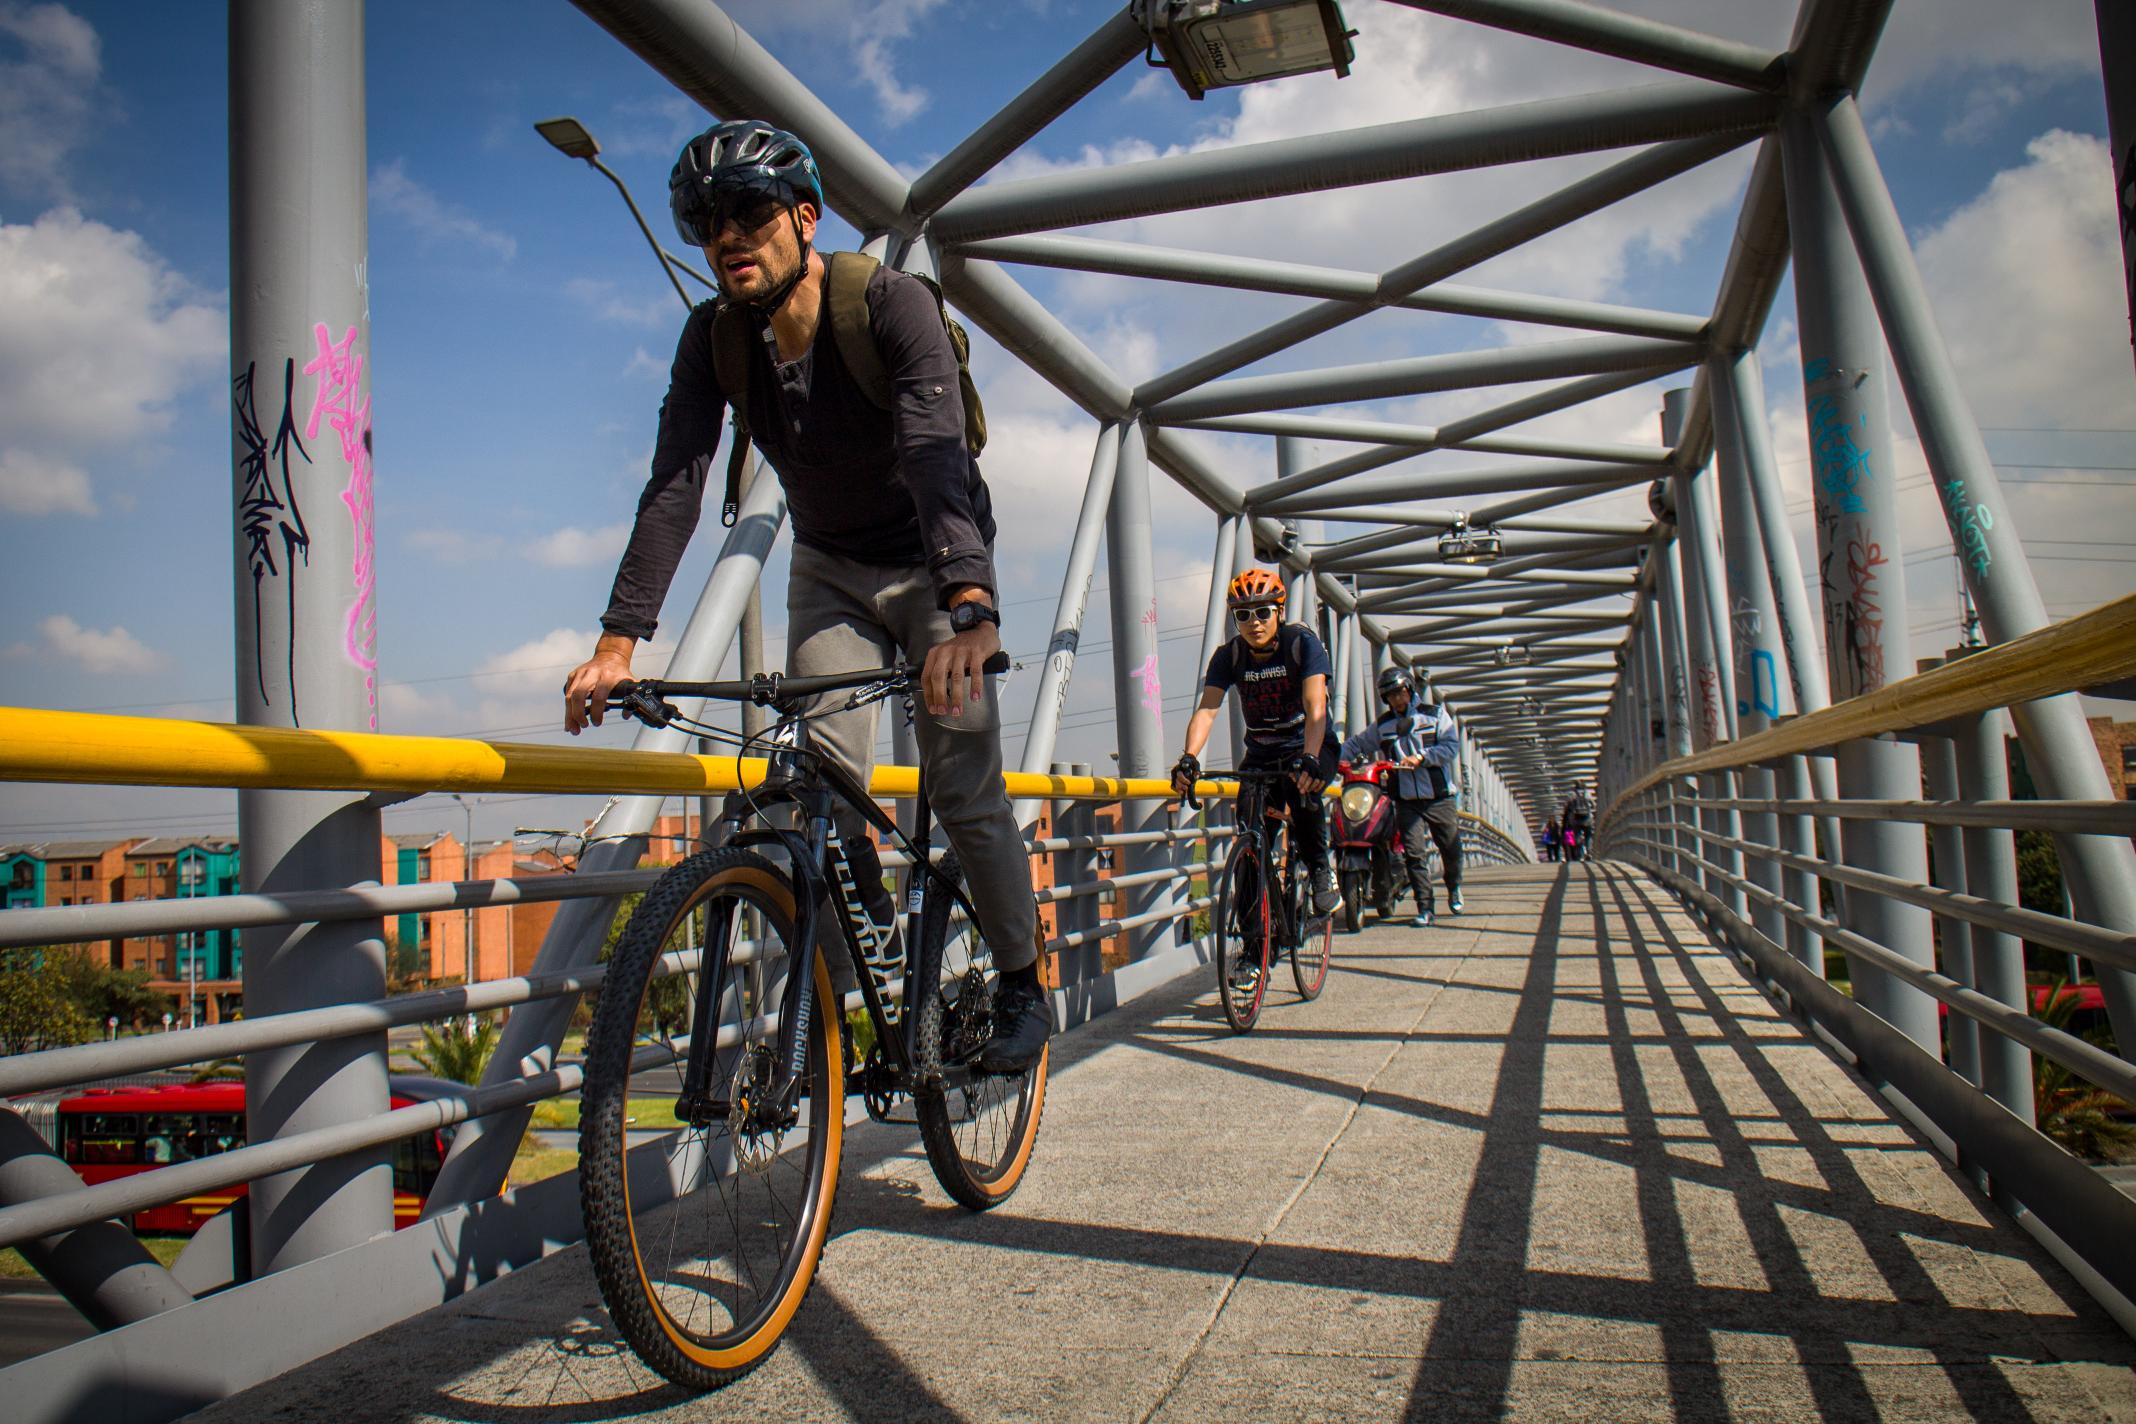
(1643, 966)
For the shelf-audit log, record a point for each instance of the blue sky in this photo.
(521, 333)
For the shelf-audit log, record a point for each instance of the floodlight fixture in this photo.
(1463, 545)
(1216, 44)
(1512, 655)
(569, 137)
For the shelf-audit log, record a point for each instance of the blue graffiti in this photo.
(1970, 523)
(1842, 465)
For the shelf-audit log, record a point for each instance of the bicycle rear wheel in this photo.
(979, 1133)
(1243, 931)
(705, 1239)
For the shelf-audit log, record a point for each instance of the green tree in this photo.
(102, 992)
(449, 1050)
(37, 1009)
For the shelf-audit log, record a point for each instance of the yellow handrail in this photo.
(2092, 648)
(95, 748)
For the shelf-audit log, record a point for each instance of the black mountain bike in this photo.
(713, 1109)
(1261, 909)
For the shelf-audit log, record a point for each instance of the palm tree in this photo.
(451, 1050)
(2069, 1110)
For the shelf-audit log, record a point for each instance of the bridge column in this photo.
(1138, 692)
(1864, 577)
(1712, 673)
(306, 615)
(1753, 631)
(1068, 613)
(1991, 873)
(2100, 870)
(1799, 777)
(1676, 692)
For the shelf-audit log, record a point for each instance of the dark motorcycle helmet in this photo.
(1392, 678)
(731, 163)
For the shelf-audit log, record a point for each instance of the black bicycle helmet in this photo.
(734, 161)
(1392, 678)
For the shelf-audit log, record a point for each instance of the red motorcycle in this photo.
(1368, 844)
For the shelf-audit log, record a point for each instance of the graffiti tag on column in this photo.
(1970, 524)
(1865, 614)
(339, 368)
(1842, 465)
(267, 513)
(1709, 704)
(1152, 690)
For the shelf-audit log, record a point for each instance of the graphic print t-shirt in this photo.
(1271, 691)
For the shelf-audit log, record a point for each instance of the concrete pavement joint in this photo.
(1201, 1337)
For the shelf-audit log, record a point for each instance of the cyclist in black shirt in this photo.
(1281, 673)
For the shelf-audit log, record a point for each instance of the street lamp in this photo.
(1215, 44)
(569, 137)
(467, 912)
(1463, 545)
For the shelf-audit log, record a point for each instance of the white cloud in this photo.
(870, 30)
(97, 335)
(36, 484)
(99, 650)
(46, 95)
(605, 301)
(572, 548)
(430, 215)
(2026, 284)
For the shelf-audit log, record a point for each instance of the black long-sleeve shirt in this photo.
(896, 487)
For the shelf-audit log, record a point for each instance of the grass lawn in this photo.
(562, 1114)
(164, 1248)
(537, 1163)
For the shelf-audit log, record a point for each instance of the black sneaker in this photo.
(1453, 902)
(1245, 972)
(1023, 1021)
(1327, 899)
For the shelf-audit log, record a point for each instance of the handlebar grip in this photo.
(999, 663)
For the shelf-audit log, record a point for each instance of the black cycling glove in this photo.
(1185, 772)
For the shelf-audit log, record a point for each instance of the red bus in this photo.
(106, 1133)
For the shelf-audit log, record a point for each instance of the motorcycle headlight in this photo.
(1357, 802)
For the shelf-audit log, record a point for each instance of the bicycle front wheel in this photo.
(705, 1236)
(1243, 929)
(1309, 956)
(979, 1133)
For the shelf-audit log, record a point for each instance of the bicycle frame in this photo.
(821, 868)
(1256, 828)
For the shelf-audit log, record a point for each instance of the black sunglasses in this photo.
(1255, 614)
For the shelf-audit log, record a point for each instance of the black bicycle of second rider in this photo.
(1261, 912)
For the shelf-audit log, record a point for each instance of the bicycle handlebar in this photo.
(646, 698)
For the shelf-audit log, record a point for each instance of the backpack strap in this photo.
(847, 296)
(730, 363)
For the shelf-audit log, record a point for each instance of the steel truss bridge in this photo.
(1611, 1143)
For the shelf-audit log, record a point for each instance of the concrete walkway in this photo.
(1557, 1160)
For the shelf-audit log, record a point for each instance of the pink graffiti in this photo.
(1152, 691)
(340, 369)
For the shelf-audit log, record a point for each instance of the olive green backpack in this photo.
(846, 300)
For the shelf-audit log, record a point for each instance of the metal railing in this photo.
(1969, 1082)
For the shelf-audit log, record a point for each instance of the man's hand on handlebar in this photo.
(1305, 771)
(956, 670)
(1185, 772)
(586, 689)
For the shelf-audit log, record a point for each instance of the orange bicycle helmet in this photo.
(1256, 586)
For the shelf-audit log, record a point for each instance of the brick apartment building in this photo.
(2117, 749)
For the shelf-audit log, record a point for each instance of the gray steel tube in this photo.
(1443, 144)
(102, 1270)
(2058, 745)
(305, 581)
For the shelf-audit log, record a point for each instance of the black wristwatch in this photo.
(969, 615)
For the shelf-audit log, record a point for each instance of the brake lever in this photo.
(633, 700)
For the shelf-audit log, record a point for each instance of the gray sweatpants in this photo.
(842, 615)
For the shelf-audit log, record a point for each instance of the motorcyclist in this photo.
(1280, 671)
(1425, 744)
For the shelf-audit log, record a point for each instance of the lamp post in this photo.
(569, 137)
(467, 912)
